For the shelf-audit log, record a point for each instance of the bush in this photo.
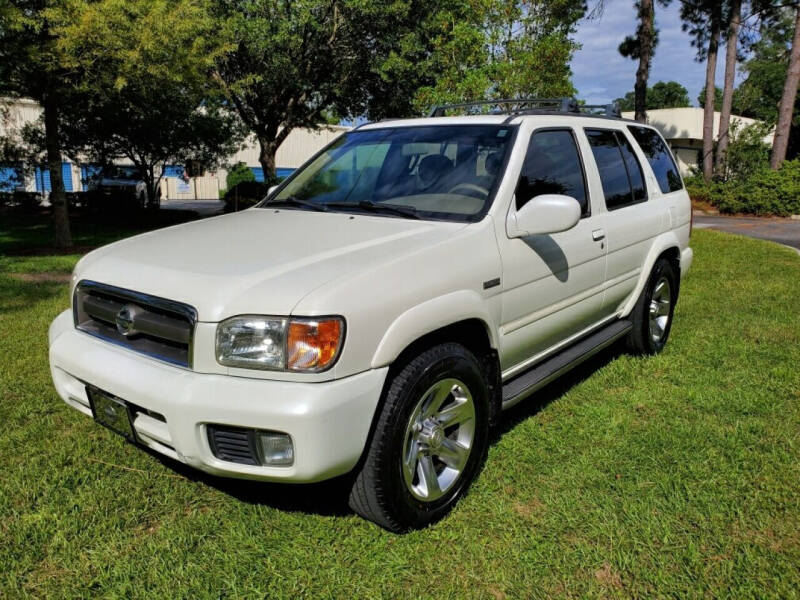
(238, 174)
(244, 195)
(20, 201)
(764, 193)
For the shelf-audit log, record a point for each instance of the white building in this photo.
(683, 130)
(298, 147)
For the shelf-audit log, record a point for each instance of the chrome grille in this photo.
(159, 328)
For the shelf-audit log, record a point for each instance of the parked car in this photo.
(121, 185)
(382, 307)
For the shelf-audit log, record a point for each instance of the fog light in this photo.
(275, 448)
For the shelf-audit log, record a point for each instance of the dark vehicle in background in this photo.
(121, 184)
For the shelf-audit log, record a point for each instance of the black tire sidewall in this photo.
(662, 268)
(461, 365)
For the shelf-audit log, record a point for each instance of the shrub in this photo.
(239, 173)
(244, 195)
(764, 193)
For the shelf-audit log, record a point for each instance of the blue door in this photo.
(42, 177)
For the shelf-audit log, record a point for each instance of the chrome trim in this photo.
(183, 310)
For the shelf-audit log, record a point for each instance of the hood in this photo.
(261, 261)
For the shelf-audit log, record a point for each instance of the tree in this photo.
(641, 47)
(786, 107)
(146, 87)
(663, 94)
(239, 172)
(701, 98)
(704, 21)
(292, 62)
(734, 22)
(32, 65)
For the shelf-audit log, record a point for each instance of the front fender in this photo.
(661, 244)
(429, 316)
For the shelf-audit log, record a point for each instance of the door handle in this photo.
(598, 234)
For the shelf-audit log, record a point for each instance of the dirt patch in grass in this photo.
(45, 277)
(607, 576)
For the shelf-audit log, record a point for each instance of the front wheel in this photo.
(429, 443)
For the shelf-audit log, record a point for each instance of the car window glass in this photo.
(610, 164)
(634, 168)
(552, 166)
(442, 172)
(659, 157)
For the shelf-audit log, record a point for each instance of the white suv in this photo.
(377, 312)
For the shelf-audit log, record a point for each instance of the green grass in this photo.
(671, 476)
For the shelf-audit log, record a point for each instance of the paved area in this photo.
(202, 207)
(782, 231)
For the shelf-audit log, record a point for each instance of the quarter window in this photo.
(552, 166)
(620, 172)
(659, 157)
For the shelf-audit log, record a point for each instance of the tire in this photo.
(650, 336)
(385, 491)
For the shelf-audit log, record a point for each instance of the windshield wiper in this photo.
(297, 202)
(377, 207)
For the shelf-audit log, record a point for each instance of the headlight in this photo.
(257, 342)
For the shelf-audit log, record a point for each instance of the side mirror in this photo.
(548, 213)
(271, 189)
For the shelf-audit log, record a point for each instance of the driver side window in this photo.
(552, 166)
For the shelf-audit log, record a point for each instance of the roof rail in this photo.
(522, 106)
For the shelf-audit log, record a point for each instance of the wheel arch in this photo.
(666, 245)
(460, 317)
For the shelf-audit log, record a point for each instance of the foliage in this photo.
(146, 92)
(701, 98)
(293, 63)
(747, 152)
(663, 94)
(697, 483)
(245, 194)
(238, 173)
(766, 192)
(33, 65)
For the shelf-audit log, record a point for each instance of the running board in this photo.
(522, 386)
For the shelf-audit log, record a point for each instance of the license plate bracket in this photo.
(111, 412)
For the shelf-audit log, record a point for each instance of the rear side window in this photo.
(552, 166)
(620, 172)
(654, 148)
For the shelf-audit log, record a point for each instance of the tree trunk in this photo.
(268, 148)
(786, 107)
(58, 200)
(727, 91)
(708, 109)
(646, 34)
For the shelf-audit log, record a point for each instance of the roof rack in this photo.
(523, 106)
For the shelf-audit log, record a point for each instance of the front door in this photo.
(553, 284)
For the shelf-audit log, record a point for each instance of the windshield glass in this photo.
(117, 172)
(438, 172)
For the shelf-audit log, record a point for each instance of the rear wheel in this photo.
(652, 315)
(429, 443)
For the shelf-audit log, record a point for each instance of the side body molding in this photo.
(663, 242)
(432, 315)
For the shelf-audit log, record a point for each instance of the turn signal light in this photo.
(313, 344)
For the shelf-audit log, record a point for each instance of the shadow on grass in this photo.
(329, 498)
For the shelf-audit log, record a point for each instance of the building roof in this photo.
(687, 123)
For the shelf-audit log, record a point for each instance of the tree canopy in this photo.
(663, 94)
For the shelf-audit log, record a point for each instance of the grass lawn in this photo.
(672, 476)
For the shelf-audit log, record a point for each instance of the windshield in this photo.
(117, 172)
(438, 172)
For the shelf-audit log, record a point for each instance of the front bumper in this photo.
(687, 256)
(328, 422)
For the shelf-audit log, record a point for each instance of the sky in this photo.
(601, 74)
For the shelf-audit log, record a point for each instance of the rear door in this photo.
(630, 221)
